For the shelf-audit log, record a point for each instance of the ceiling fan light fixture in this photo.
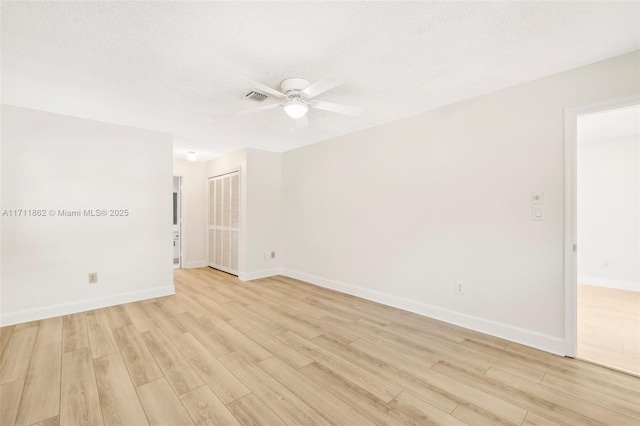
(295, 108)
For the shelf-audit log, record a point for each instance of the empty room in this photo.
(322, 212)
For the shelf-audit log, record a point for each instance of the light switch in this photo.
(537, 213)
(537, 197)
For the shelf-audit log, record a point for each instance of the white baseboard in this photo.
(609, 283)
(264, 273)
(515, 334)
(83, 305)
(198, 264)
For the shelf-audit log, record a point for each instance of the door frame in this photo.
(570, 210)
(180, 227)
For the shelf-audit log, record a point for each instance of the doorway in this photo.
(606, 224)
(177, 222)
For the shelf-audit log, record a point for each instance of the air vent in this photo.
(255, 96)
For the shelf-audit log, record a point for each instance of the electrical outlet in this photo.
(605, 263)
(459, 288)
(93, 278)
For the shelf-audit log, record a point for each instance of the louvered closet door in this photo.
(224, 222)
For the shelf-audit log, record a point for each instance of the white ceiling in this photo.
(176, 66)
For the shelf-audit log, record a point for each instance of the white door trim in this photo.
(570, 214)
(181, 224)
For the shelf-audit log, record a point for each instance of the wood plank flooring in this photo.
(609, 327)
(278, 351)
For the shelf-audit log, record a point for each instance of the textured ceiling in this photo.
(176, 66)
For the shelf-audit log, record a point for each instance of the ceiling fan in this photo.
(297, 97)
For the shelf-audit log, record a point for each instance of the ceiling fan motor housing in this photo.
(294, 85)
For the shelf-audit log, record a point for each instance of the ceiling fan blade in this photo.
(339, 108)
(302, 122)
(322, 85)
(262, 108)
(266, 89)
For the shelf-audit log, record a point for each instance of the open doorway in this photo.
(608, 236)
(177, 222)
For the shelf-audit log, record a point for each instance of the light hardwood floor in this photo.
(278, 351)
(609, 327)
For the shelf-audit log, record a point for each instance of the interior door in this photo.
(224, 222)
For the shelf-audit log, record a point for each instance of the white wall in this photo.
(193, 212)
(609, 212)
(398, 213)
(263, 213)
(55, 162)
(260, 208)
